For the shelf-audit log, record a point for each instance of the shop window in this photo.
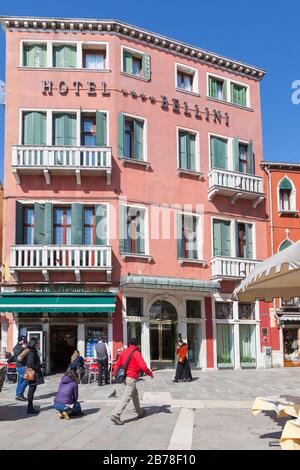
(248, 346)
(134, 330)
(246, 311)
(134, 306)
(194, 339)
(225, 353)
(224, 310)
(92, 337)
(193, 309)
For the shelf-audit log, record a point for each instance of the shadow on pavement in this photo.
(151, 410)
(13, 412)
(47, 395)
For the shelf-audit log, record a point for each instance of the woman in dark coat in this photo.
(33, 362)
(183, 370)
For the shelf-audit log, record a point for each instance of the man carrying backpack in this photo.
(133, 359)
(102, 359)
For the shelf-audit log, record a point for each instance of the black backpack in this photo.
(120, 375)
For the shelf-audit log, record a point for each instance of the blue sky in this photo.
(261, 33)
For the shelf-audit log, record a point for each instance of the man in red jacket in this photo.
(135, 365)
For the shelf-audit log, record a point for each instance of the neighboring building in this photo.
(107, 125)
(282, 181)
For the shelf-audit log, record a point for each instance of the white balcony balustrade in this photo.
(60, 258)
(231, 268)
(236, 186)
(53, 160)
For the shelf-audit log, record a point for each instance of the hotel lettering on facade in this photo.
(106, 125)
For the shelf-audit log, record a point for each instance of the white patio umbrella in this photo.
(278, 276)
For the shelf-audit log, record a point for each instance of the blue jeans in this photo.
(22, 383)
(71, 410)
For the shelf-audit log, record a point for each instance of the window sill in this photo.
(131, 75)
(199, 262)
(196, 174)
(23, 67)
(136, 256)
(288, 213)
(131, 161)
(193, 93)
(216, 100)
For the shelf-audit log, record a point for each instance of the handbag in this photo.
(29, 375)
(120, 374)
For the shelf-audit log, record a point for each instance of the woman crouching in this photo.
(66, 400)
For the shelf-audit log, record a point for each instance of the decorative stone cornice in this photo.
(126, 30)
(280, 166)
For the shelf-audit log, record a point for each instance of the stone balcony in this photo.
(54, 160)
(235, 186)
(231, 268)
(52, 258)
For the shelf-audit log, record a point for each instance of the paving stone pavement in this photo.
(218, 405)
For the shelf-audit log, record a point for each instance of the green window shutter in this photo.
(224, 89)
(191, 152)
(284, 245)
(218, 153)
(34, 128)
(217, 237)
(182, 137)
(101, 224)
(70, 56)
(249, 241)
(19, 223)
(146, 66)
(101, 129)
(64, 129)
(286, 185)
(64, 56)
(212, 87)
(238, 94)
(138, 138)
(123, 227)
(236, 155)
(34, 55)
(120, 135)
(250, 158)
(39, 224)
(77, 224)
(48, 240)
(140, 232)
(180, 241)
(233, 93)
(127, 62)
(226, 239)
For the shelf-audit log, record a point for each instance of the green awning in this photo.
(57, 303)
(169, 283)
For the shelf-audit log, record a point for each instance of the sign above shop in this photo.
(56, 288)
(63, 88)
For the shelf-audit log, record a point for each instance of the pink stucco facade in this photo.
(157, 184)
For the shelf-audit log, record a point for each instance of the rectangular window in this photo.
(225, 343)
(285, 199)
(221, 238)
(194, 340)
(134, 230)
(243, 158)
(193, 309)
(134, 330)
(248, 346)
(28, 229)
(62, 225)
(244, 241)
(184, 80)
(88, 130)
(217, 88)
(218, 151)
(137, 64)
(238, 94)
(134, 306)
(33, 128)
(89, 229)
(224, 310)
(64, 129)
(35, 55)
(188, 237)
(187, 150)
(133, 138)
(64, 56)
(94, 59)
(246, 311)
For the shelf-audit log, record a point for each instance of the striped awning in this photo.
(57, 303)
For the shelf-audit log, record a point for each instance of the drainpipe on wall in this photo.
(271, 207)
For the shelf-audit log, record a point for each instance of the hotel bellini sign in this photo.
(93, 89)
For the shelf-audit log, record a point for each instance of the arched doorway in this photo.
(163, 332)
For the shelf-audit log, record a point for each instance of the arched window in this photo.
(286, 199)
(163, 310)
(285, 244)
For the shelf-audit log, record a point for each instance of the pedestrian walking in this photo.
(33, 374)
(135, 363)
(20, 367)
(66, 400)
(183, 370)
(103, 356)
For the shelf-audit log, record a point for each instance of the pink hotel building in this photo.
(112, 132)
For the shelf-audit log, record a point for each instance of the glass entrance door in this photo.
(163, 341)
